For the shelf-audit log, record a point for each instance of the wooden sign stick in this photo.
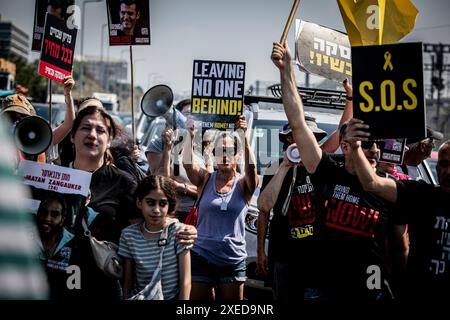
(289, 22)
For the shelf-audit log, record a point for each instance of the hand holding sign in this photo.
(356, 132)
(242, 124)
(281, 56)
(68, 85)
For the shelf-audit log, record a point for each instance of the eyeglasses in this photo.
(368, 144)
(225, 151)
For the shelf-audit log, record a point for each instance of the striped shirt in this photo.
(145, 253)
(21, 274)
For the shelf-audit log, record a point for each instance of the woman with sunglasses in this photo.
(219, 254)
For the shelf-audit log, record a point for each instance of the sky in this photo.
(228, 30)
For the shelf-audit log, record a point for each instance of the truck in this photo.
(7, 75)
(109, 100)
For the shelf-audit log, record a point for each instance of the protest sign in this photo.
(128, 22)
(217, 93)
(60, 8)
(58, 48)
(393, 151)
(55, 178)
(388, 89)
(323, 51)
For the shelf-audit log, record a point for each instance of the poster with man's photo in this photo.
(59, 8)
(128, 22)
(393, 151)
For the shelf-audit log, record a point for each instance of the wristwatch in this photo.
(185, 188)
(349, 98)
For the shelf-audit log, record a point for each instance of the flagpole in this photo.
(50, 102)
(289, 22)
(133, 127)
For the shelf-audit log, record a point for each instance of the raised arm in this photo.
(383, 187)
(266, 201)
(268, 197)
(251, 177)
(195, 173)
(332, 143)
(293, 106)
(60, 132)
(164, 166)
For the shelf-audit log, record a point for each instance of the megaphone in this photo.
(33, 135)
(293, 154)
(157, 101)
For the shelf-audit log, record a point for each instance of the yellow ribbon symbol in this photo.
(387, 58)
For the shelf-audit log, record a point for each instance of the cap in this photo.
(18, 103)
(435, 135)
(91, 102)
(312, 125)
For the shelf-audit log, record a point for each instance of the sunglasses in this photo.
(225, 151)
(368, 144)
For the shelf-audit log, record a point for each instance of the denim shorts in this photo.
(207, 272)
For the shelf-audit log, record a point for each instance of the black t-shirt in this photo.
(293, 232)
(426, 210)
(352, 233)
(112, 196)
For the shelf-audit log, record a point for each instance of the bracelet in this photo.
(349, 98)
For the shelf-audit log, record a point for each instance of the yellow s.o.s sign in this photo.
(388, 89)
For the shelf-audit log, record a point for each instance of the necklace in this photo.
(148, 231)
(224, 196)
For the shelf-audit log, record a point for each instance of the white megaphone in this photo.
(157, 101)
(33, 135)
(293, 154)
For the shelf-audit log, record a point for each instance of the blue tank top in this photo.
(221, 233)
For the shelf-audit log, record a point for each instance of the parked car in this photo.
(58, 112)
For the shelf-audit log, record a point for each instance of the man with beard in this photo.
(56, 244)
(352, 223)
(425, 208)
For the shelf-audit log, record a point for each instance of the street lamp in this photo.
(82, 44)
(101, 56)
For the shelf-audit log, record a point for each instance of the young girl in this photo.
(139, 243)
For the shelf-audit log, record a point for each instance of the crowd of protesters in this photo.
(338, 219)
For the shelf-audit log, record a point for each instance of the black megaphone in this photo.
(33, 135)
(157, 101)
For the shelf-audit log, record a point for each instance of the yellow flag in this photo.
(372, 22)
